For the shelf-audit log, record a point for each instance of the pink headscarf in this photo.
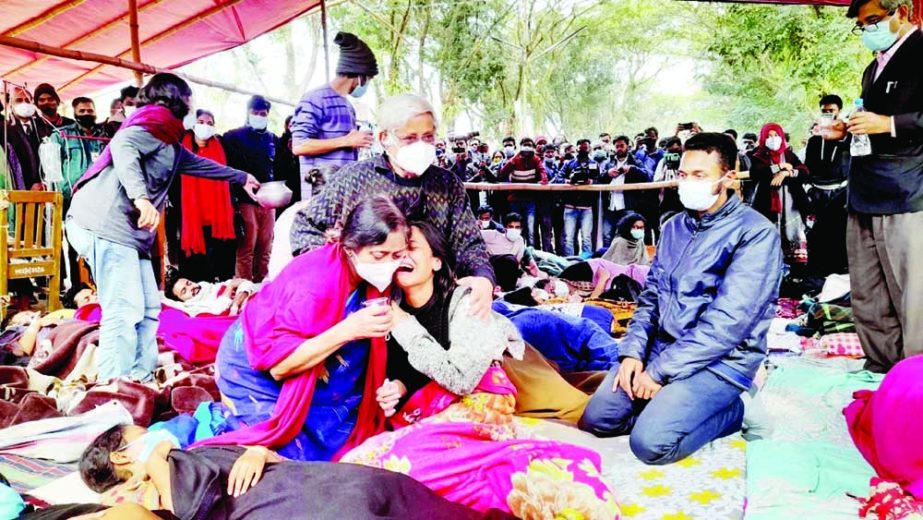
(778, 156)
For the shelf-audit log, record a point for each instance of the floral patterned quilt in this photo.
(709, 485)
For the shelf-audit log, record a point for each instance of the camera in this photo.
(687, 126)
(464, 137)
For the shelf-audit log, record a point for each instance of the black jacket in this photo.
(890, 180)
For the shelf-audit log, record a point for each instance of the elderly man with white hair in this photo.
(423, 191)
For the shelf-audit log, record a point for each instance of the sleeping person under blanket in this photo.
(131, 465)
(218, 299)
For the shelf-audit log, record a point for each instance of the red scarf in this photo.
(205, 202)
(298, 305)
(778, 157)
(157, 120)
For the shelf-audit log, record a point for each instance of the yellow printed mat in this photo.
(709, 485)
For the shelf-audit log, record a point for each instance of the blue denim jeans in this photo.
(610, 225)
(684, 416)
(130, 303)
(571, 218)
(526, 210)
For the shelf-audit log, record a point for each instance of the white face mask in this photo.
(698, 195)
(189, 120)
(514, 234)
(485, 224)
(415, 158)
(129, 110)
(257, 122)
(24, 110)
(379, 274)
(774, 143)
(560, 289)
(638, 234)
(141, 448)
(203, 132)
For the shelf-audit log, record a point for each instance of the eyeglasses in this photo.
(872, 27)
(410, 139)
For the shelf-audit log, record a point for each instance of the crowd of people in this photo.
(370, 316)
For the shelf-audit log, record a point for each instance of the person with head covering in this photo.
(628, 247)
(779, 194)
(252, 148)
(47, 101)
(324, 131)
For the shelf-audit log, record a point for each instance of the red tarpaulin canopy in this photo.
(172, 33)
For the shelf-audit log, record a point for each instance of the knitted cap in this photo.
(356, 58)
(46, 88)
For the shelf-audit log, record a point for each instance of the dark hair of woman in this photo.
(167, 90)
(95, 465)
(370, 223)
(626, 224)
(201, 111)
(443, 279)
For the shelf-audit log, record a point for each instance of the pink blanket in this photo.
(885, 425)
(195, 339)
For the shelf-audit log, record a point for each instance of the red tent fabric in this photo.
(172, 33)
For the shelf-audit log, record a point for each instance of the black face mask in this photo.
(569, 156)
(86, 121)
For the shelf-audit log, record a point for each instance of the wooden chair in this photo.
(36, 254)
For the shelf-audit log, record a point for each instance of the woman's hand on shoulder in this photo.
(398, 313)
(482, 295)
(247, 470)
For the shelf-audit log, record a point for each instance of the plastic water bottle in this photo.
(860, 145)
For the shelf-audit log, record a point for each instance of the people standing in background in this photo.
(578, 205)
(526, 168)
(252, 148)
(624, 168)
(743, 161)
(24, 132)
(207, 237)
(828, 162)
(81, 142)
(128, 103)
(286, 167)
(324, 132)
(884, 241)
(779, 193)
(47, 101)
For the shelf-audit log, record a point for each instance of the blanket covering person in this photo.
(885, 426)
(265, 335)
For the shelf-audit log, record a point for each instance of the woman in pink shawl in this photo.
(301, 365)
(451, 405)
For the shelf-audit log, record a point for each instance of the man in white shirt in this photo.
(508, 242)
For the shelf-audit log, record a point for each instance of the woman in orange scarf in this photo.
(206, 212)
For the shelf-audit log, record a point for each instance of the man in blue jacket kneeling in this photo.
(699, 333)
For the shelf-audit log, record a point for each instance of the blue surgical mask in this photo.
(360, 91)
(637, 234)
(880, 40)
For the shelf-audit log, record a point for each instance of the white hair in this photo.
(892, 5)
(396, 111)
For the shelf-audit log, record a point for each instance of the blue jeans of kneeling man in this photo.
(684, 416)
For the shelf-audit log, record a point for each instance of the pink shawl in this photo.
(306, 299)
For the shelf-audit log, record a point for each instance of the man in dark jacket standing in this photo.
(252, 148)
(699, 333)
(883, 239)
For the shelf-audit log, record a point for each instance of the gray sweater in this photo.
(474, 345)
(142, 166)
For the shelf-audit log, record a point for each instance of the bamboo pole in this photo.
(323, 25)
(135, 41)
(95, 33)
(198, 17)
(487, 186)
(29, 45)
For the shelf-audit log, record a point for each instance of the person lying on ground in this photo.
(194, 298)
(405, 174)
(446, 387)
(301, 364)
(698, 335)
(229, 483)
